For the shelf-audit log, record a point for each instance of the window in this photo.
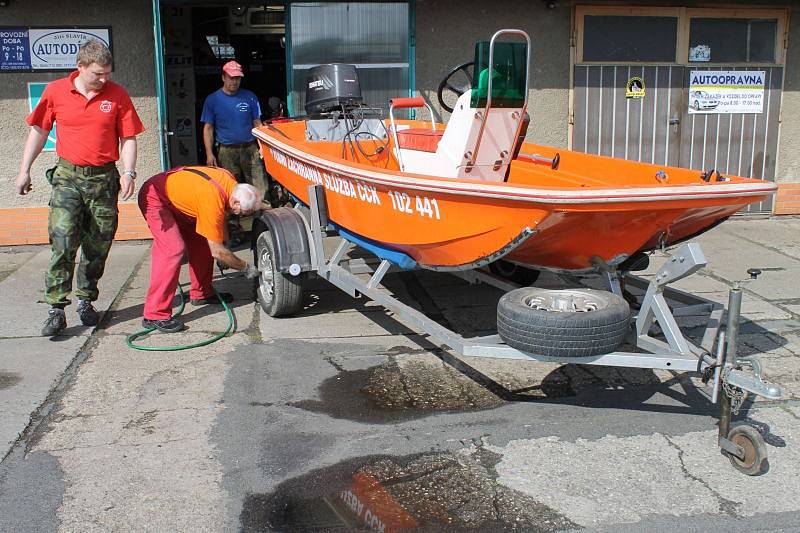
(689, 36)
(372, 36)
(733, 40)
(616, 38)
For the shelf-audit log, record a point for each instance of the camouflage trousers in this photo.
(245, 163)
(83, 212)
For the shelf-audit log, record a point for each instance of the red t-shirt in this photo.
(88, 129)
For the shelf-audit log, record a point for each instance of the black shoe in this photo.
(226, 296)
(168, 325)
(87, 313)
(55, 323)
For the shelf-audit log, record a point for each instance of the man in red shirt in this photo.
(185, 210)
(95, 118)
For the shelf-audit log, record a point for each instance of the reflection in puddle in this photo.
(367, 504)
(428, 492)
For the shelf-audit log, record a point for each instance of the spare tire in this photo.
(563, 323)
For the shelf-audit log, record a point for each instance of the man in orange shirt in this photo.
(185, 210)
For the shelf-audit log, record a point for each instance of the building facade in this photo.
(702, 85)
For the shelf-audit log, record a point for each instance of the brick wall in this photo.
(787, 200)
(28, 225)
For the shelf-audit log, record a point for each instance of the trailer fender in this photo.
(289, 235)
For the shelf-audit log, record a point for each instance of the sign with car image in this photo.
(726, 91)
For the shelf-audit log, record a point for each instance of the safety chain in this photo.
(736, 394)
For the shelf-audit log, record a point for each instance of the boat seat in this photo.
(420, 139)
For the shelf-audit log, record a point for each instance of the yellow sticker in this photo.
(634, 88)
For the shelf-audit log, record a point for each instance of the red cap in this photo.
(233, 69)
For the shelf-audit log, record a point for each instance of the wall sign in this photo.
(701, 52)
(45, 49)
(14, 49)
(726, 91)
(35, 90)
(634, 88)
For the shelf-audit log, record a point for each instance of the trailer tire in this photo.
(754, 462)
(280, 294)
(563, 323)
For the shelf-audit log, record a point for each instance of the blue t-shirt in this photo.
(231, 115)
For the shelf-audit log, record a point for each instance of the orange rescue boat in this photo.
(461, 196)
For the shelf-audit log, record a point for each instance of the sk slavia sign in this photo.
(57, 48)
(37, 49)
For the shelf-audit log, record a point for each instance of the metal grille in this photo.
(737, 144)
(659, 129)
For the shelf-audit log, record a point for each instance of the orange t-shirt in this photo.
(195, 196)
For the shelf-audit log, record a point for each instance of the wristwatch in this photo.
(131, 173)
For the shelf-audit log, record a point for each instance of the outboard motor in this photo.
(332, 87)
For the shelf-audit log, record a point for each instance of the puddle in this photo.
(421, 386)
(8, 380)
(390, 393)
(447, 492)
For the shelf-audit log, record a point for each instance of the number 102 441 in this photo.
(421, 205)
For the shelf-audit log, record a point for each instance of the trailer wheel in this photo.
(750, 440)
(280, 294)
(514, 272)
(563, 323)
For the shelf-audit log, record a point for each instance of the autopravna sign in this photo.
(726, 91)
(54, 48)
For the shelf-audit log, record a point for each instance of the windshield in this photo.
(508, 74)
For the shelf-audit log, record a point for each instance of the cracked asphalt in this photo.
(344, 419)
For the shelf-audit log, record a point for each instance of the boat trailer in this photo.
(729, 378)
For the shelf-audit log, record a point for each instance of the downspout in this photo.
(287, 37)
(161, 99)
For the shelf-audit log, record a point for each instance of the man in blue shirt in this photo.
(228, 116)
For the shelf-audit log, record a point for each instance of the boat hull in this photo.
(450, 224)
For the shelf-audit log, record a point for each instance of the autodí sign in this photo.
(54, 48)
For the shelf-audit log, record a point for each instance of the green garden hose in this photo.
(133, 336)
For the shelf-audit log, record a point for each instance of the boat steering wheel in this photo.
(458, 90)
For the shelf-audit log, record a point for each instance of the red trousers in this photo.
(174, 237)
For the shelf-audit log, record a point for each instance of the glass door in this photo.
(374, 36)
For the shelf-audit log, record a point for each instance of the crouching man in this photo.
(185, 210)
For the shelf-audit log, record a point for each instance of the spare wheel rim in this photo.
(564, 301)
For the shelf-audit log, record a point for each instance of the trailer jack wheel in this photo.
(753, 461)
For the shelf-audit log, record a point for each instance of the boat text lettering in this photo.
(369, 518)
(422, 205)
(330, 181)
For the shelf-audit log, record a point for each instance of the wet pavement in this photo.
(428, 492)
(344, 419)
